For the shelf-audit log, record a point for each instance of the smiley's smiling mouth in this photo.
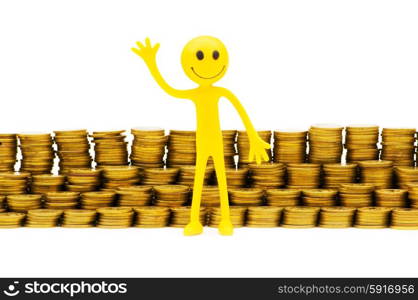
(219, 73)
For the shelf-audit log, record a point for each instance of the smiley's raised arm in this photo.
(148, 54)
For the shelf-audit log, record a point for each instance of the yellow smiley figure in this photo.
(205, 61)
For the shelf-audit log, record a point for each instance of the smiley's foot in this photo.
(193, 228)
(225, 227)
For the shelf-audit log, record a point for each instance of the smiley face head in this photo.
(204, 60)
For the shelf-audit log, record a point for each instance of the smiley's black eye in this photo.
(215, 54)
(199, 55)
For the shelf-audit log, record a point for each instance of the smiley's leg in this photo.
(195, 227)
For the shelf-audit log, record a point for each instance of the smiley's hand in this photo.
(147, 52)
(258, 149)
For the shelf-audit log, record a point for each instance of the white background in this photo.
(68, 64)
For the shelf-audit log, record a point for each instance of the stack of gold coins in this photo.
(115, 217)
(361, 142)
(300, 217)
(8, 151)
(413, 194)
(264, 216)
(337, 174)
(319, 197)
(159, 176)
(246, 196)
(377, 173)
(210, 196)
(73, 149)
(151, 216)
(148, 147)
(171, 195)
(11, 219)
(37, 153)
(180, 216)
(229, 137)
(283, 197)
(110, 148)
(243, 146)
(2, 203)
(116, 176)
(267, 175)
(79, 218)
(24, 202)
(391, 197)
(186, 175)
(236, 178)
(95, 200)
(336, 217)
(83, 180)
(181, 148)
(290, 146)
(325, 143)
(404, 218)
(62, 200)
(372, 217)
(43, 218)
(12, 183)
(406, 175)
(45, 183)
(305, 175)
(356, 194)
(237, 214)
(398, 145)
(134, 196)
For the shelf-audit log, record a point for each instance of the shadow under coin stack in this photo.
(43, 218)
(134, 196)
(398, 146)
(356, 194)
(236, 178)
(45, 183)
(283, 197)
(263, 216)
(300, 217)
(246, 196)
(8, 151)
(372, 217)
(243, 146)
(114, 217)
(237, 214)
(391, 197)
(406, 175)
(24, 202)
(267, 175)
(151, 216)
(325, 144)
(337, 174)
(73, 149)
(181, 148)
(11, 219)
(79, 218)
(148, 147)
(187, 173)
(117, 176)
(171, 195)
(361, 142)
(159, 176)
(290, 146)
(319, 197)
(83, 180)
(110, 148)
(95, 200)
(405, 218)
(303, 176)
(180, 216)
(62, 200)
(336, 217)
(37, 153)
(377, 173)
(13, 183)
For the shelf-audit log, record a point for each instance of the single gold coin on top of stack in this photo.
(117, 176)
(12, 183)
(151, 216)
(110, 148)
(356, 194)
(45, 183)
(267, 175)
(246, 196)
(337, 174)
(264, 216)
(319, 197)
(377, 173)
(290, 146)
(303, 176)
(237, 214)
(325, 143)
(73, 149)
(134, 196)
(236, 178)
(361, 142)
(37, 153)
(391, 197)
(115, 217)
(79, 218)
(159, 176)
(405, 175)
(283, 197)
(8, 151)
(148, 147)
(43, 218)
(83, 180)
(398, 146)
(372, 217)
(336, 217)
(229, 137)
(181, 148)
(404, 218)
(187, 173)
(11, 219)
(24, 202)
(300, 217)
(243, 146)
(180, 216)
(95, 200)
(413, 194)
(62, 200)
(171, 195)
